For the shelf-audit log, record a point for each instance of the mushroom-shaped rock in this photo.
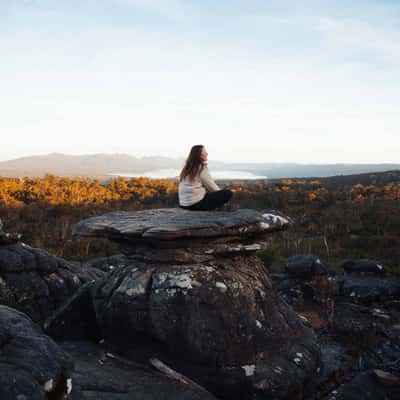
(32, 366)
(195, 286)
(174, 235)
(176, 223)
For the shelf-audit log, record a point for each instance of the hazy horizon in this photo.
(209, 159)
(280, 81)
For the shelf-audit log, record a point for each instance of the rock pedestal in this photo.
(195, 290)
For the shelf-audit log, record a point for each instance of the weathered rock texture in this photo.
(36, 282)
(100, 375)
(32, 366)
(195, 287)
(174, 223)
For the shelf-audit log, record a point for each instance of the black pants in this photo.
(211, 200)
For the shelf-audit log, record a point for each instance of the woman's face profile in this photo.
(204, 154)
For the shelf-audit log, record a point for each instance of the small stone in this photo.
(49, 385)
(249, 369)
(221, 286)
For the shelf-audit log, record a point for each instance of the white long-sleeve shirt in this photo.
(192, 192)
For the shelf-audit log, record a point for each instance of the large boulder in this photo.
(223, 322)
(37, 282)
(305, 266)
(32, 366)
(195, 290)
(363, 267)
(367, 289)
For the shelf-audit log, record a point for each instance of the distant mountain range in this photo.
(101, 165)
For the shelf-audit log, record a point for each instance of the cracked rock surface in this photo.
(37, 282)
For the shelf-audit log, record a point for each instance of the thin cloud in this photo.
(176, 9)
(356, 35)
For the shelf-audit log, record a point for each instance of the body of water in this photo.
(174, 173)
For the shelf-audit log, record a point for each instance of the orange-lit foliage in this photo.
(55, 191)
(362, 219)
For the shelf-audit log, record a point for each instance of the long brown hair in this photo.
(193, 164)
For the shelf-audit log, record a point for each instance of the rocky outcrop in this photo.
(36, 282)
(356, 315)
(32, 366)
(188, 305)
(196, 291)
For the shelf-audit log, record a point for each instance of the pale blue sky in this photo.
(284, 81)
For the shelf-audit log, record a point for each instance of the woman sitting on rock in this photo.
(197, 190)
